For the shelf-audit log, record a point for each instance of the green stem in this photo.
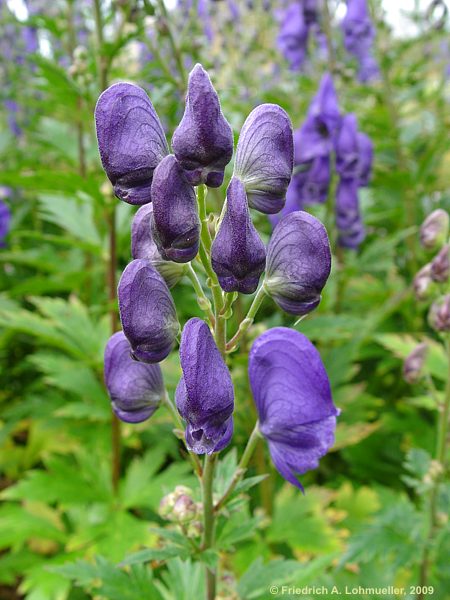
(248, 321)
(241, 468)
(202, 299)
(208, 520)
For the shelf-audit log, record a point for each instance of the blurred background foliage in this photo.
(364, 518)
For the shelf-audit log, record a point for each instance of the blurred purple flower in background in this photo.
(359, 34)
(5, 222)
(292, 394)
(297, 21)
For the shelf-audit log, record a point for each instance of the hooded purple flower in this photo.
(439, 314)
(292, 40)
(264, 157)
(434, 230)
(135, 389)
(348, 217)
(143, 246)
(175, 223)
(293, 398)
(238, 254)
(316, 181)
(203, 141)
(5, 222)
(298, 263)
(358, 37)
(414, 364)
(147, 312)
(440, 265)
(131, 140)
(204, 396)
(353, 152)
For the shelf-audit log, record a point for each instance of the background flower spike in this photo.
(175, 223)
(205, 395)
(298, 263)
(143, 246)
(292, 395)
(131, 140)
(203, 141)
(147, 312)
(135, 389)
(238, 254)
(265, 157)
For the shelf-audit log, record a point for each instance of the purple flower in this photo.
(135, 389)
(440, 265)
(348, 217)
(293, 398)
(5, 222)
(439, 315)
(264, 157)
(175, 223)
(203, 141)
(147, 312)
(294, 199)
(354, 152)
(316, 181)
(365, 158)
(358, 38)
(204, 396)
(292, 40)
(298, 263)
(434, 230)
(131, 140)
(143, 246)
(238, 254)
(414, 363)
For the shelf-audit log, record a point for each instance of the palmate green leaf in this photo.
(225, 470)
(184, 580)
(18, 526)
(328, 328)
(150, 554)
(256, 581)
(139, 478)
(236, 529)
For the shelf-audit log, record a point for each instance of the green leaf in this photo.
(259, 577)
(150, 554)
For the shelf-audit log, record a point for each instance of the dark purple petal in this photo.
(354, 152)
(175, 224)
(325, 108)
(298, 263)
(348, 217)
(203, 141)
(147, 312)
(316, 181)
(136, 389)
(131, 140)
(143, 246)
(264, 157)
(238, 254)
(294, 199)
(293, 398)
(204, 396)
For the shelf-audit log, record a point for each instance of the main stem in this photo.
(441, 452)
(102, 67)
(208, 520)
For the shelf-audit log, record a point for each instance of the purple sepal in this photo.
(147, 312)
(238, 254)
(293, 398)
(131, 140)
(204, 395)
(298, 263)
(175, 223)
(135, 389)
(203, 141)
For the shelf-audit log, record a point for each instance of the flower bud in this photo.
(292, 395)
(131, 140)
(203, 141)
(298, 263)
(175, 223)
(135, 389)
(439, 315)
(414, 362)
(434, 230)
(440, 265)
(204, 396)
(265, 157)
(143, 246)
(185, 509)
(423, 284)
(147, 312)
(195, 529)
(238, 254)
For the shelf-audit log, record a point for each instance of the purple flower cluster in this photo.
(296, 22)
(5, 216)
(359, 34)
(166, 236)
(325, 138)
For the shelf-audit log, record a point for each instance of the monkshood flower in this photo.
(354, 152)
(204, 395)
(238, 254)
(203, 141)
(5, 222)
(135, 388)
(440, 265)
(147, 312)
(131, 140)
(348, 217)
(358, 38)
(434, 230)
(264, 157)
(175, 223)
(298, 263)
(292, 394)
(414, 363)
(439, 315)
(316, 181)
(143, 246)
(292, 40)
